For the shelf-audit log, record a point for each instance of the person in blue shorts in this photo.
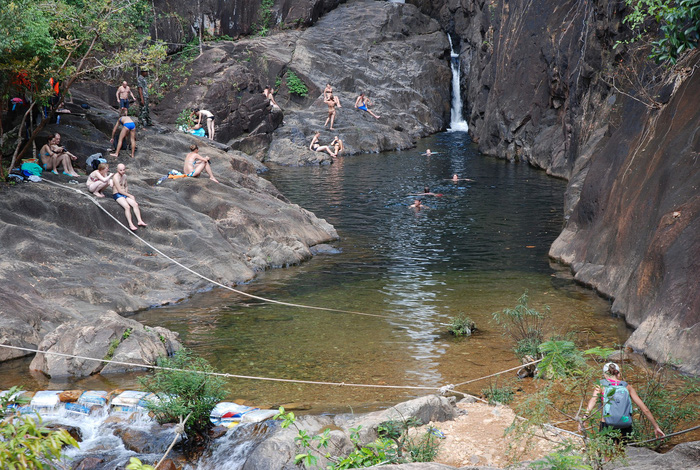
(123, 93)
(129, 128)
(124, 198)
(363, 103)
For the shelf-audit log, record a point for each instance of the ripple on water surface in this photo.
(475, 250)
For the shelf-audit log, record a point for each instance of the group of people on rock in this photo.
(53, 155)
(124, 92)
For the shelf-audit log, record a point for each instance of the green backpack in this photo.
(617, 404)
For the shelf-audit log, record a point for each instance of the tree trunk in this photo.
(17, 153)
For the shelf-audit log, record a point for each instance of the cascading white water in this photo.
(457, 122)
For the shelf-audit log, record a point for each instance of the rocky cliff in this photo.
(543, 84)
(67, 264)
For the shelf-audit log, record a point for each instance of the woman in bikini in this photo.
(209, 120)
(62, 157)
(316, 147)
(99, 180)
(49, 159)
(337, 145)
(129, 128)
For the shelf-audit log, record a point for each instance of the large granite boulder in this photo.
(398, 56)
(67, 261)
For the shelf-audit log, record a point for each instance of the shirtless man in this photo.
(124, 198)
(196, 163)
(55, 146)
(123, 93)
(332, 103)
(417, 204)
(363, 103)
(316, 147)
(129, 128)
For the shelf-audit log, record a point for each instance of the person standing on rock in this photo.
(332, 103)
(196, 163)
(362, 103)
(144, 115)
(123, 93)
(124, 198)
(129, 128)
(203, 113)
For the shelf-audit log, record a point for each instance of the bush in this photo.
(523, 324)
(185, 392)
(462, 325)
(498, 395)
(295, 85)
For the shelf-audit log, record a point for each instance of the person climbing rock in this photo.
(363, 103)
(129, 128)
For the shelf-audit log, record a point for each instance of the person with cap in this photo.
(615, 397)
(142, 82)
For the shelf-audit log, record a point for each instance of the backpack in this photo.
(617, 404)
(93, 161)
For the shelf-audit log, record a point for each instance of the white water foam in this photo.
(457, 122)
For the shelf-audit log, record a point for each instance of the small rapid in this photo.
(457, 122)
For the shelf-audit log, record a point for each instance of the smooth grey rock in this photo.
(684, 456)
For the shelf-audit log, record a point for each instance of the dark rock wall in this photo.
(537, 84)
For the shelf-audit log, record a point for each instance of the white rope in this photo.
(498, 373)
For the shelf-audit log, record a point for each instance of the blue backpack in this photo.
(617, 404)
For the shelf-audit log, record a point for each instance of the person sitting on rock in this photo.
(196, 163)
(337, 145)
(51, 160)
(63, 155)
(363, 103)
(99, 180)
(209, 120)
(316, 147)
(269, 94)
(124, 198)
(129, 128)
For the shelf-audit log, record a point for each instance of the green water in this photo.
(475, 250)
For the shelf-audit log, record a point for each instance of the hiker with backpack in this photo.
(615, 397)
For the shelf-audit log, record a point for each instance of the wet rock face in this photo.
(396, 55)
(69, 264)
(536, 86)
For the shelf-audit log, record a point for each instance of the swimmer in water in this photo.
(456, 178)
(426, 192)
(427, 153)
(417, 204)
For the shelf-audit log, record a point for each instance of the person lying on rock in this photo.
(316, 147)
(337, 145)
(196, 163)
(208, 120)
(129, 128)
(51, 160)
(99, 180)
(363, 103)
(124, 198)
(55, 145)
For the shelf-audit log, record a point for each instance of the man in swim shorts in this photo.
(123, 93)
(124, 198)
(129, 128)
(196, 163)
(362, 103)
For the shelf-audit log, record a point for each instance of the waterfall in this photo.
(457, 122)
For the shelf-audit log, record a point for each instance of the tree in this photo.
(64, 41)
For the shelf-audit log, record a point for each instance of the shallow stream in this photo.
(475, 249)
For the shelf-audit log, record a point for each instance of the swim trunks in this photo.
(363, 107)
(130, 125)
(124, 103)
(118, 195)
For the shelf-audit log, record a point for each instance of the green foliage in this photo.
(184, 119)
(181, 393)
(523, 324)
(678, 22)
(499, 395)
(394, 445)
(295, 85)
(462, 325)
(135, 464)
(116, 342)
(24, 442)
(262, 28)
(565, 458)
(560, 359)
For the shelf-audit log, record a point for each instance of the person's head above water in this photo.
(455, 177)
(426, 189)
